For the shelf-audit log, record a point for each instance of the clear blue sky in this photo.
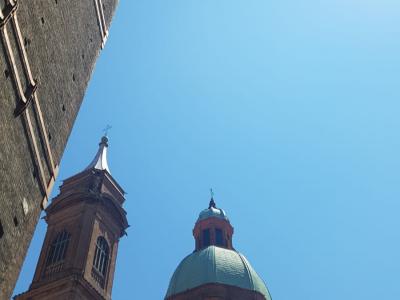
(288, 109)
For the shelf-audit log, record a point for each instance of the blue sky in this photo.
(288, 109)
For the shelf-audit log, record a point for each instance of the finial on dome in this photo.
(212, 202)
(104, 141)
(100, 160)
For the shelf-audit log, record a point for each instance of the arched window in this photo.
(58, 248)
(219, 238)
(101, 256)
(206, 238)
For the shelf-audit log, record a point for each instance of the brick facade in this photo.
(212, 224)
(48, 49)
(88, 207)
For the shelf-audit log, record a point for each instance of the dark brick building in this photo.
(48, 50)
(85, 222)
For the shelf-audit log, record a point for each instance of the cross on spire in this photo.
(212, 202)
(107, 129)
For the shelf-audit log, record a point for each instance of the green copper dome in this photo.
(216, 265)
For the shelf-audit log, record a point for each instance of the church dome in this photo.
(212, 212)
(216, 265)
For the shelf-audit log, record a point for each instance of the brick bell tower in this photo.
(85, 222)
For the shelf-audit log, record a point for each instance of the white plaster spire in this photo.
(100, 160)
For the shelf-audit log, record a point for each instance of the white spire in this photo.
(100, 160)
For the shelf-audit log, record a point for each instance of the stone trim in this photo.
(102, 22)
(27, 96)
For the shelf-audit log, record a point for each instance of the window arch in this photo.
(101, 256)
(206, 238)
(58, 248)
(219, 237)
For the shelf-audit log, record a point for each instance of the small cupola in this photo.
(213, 228)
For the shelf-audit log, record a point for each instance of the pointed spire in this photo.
(100, 160)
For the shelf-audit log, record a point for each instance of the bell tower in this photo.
(85, 222)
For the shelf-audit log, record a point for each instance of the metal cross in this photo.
(107, 129)
(212, 193)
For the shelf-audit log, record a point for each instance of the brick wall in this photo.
(61, 39)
